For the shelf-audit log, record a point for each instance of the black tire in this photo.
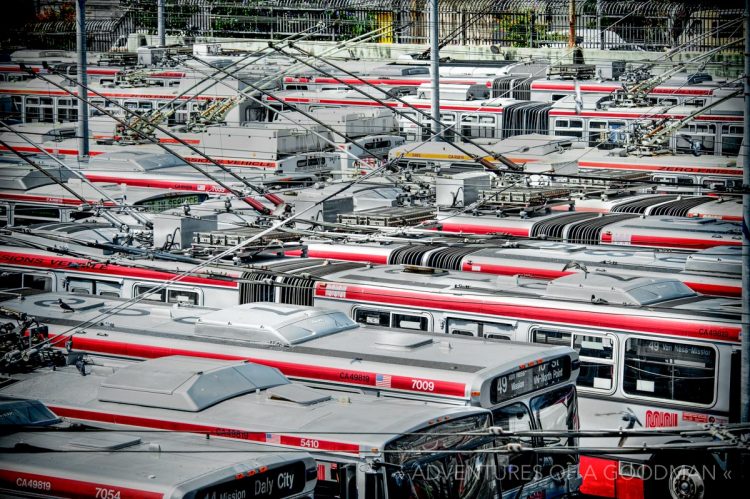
(688, 476)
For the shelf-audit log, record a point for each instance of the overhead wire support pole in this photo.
(572, 23)
(435, 69)
(745, 345)
(160, 23)
(83, 107)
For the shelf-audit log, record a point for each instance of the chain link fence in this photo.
(606, 24)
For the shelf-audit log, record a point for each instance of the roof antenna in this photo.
(576, 265)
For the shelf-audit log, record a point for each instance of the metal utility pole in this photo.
(435, 68)
(745, 370)
(572, 21)
(160, 23)
(83, 107)
(599, 24)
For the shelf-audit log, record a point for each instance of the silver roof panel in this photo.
(285, 324)
(186, 383)
(617, 290)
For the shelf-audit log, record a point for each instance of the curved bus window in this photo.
(666, 370)
(597, 354)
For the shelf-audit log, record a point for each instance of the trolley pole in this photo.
(745, 152)
(83, 107)
(160, 23)
(435, 68)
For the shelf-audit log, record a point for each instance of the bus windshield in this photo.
(422, 471)
(556, 410)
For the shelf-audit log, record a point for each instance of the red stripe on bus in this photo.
(51, 150)
(291, 369)
(373, 81)
(24, 91)
(489, 268)
(612, 88)
(91, 267)
(158, 184)
(707, 288)
(50, 199)
(349, 257)
(680, 242)
(192, 159)
(484, 229)
(234, 433)
(491, 306)
(169, 140)
(639, 115)
(660, 168)
(50, 485)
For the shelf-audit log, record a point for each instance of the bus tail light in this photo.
(611, 478)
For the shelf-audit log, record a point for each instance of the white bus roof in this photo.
(288, 417)
(304, 342)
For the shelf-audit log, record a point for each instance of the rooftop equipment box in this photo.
(461, 189)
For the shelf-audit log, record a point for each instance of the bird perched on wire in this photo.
(64, 306)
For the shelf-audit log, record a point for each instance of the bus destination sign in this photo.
(276, 483)
(530, 379)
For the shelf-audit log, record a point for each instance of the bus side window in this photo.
(18, 281)
(672, 371)
(182, 296)
(410, 322)
(37, 282)
(480, 329)
(551, 337)
(493, 336)
(597, 361)
(93, 287)
(108, 289)
(597, 354)
(372, 317)
(80, 286)
(144, 291)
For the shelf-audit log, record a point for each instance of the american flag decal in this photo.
(273, 439)
(383, 380)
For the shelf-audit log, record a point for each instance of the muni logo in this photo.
(660, 419)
